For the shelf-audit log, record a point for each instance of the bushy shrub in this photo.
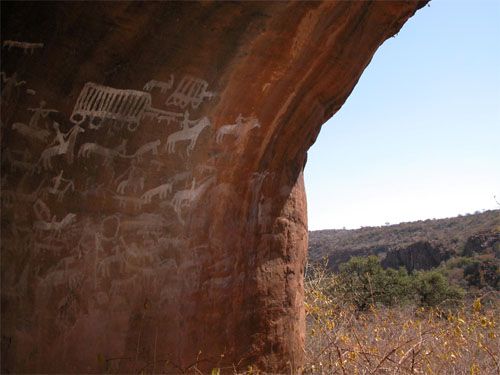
(432, 288)
(458, 339)
(363, 282)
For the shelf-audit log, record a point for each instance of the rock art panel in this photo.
(153, 209)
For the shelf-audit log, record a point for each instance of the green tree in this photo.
(432, 288)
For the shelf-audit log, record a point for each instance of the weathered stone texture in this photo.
(153, 208)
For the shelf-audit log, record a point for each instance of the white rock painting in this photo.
(134, 181)
(163, 86)
(190, 91)
(187, 197)
(64, 145)
(143, 150)
(10, 84)
(240, 128)
(39, 113)
(98, 103)
(190, 134)
(107, 154)
(28, 132)
(60, 186)
(160, 191)
(26, 47)
(141, 241)
(126, 201)
(54, 225)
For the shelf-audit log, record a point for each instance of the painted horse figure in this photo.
(187, 134)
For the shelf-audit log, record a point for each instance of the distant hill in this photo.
(414, 245)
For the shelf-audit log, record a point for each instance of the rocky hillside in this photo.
(417, 245)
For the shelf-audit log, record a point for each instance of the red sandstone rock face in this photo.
(153, 208)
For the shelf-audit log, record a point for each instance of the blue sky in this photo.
(419, 137)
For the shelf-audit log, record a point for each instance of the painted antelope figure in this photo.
(188, 196)
(242, 126)
(25, 46)
(161, 191)
(138, 256)
(187, 134)
(134, 181)
(108, 154)
(54, 225)
(38, 134)
(65, 146)
(148, 147)
(106, 265)
(123, 201)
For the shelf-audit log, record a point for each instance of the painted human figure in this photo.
(10, 84)
(38, 114)
(185, 123)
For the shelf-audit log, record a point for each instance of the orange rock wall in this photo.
(153, 207)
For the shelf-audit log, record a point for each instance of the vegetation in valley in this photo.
(416, 298)
(397, 323)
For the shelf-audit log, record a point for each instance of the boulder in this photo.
(482, 243)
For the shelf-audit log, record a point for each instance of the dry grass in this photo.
(404, 340)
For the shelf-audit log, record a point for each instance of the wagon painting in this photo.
(99, 103)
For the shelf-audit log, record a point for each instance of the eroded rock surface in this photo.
(422, 255)
(153, 209)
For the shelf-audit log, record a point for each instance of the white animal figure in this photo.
(58, 226)
(107, 264)
(178, 177)
(242, 126)
(205, 169)
(108, 154)
(174, 242)
(138, 256)
(189, 134)
(163, 86)
(151, 222)
(161, 191)
(25, 46)
(134, 181)
(148, 147)
(123, 201)
(188, 196)
(38, 134)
